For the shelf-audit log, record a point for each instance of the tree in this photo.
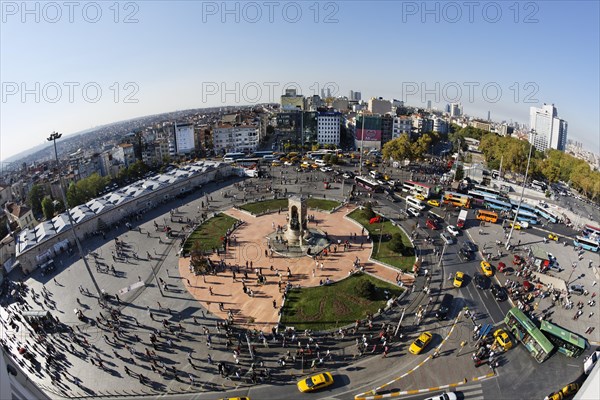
(365, 289)
(34, 199)
(368, 211)
(396, 244)
(48, 207)
(460, 173)
(398, 149)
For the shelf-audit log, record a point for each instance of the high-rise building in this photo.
(370, 136)
(456, 109)
(428, 105)
(402, 124)
(184, 138)
(239, 138)
(547, 130)
(328, 128)
(354, 96)
(291, 100)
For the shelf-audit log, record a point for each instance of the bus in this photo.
(418, 188)
(525, 331)
(247, 162)
(523, 207)
(457, 199)
(526, 216)
(367, 183)
(586, 244)
(487, 216)
(498, 205)
(313, 155)
(414, 202)
(230, 157)
(546, 214)
(566, 342)
(487, 190)
(261, 154)
(478, 198)
(591, 232)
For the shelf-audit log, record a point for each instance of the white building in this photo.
(379, 106)
(547, 130)
(242, 138)
(440, 125)
(184, 138)
(328, 128)
(401, 125)
(124, 154)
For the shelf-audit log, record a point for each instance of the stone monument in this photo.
(297, 220)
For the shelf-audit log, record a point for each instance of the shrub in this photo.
(396, 244)
(366, 289)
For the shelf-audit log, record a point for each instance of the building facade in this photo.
(328, 128)
(401, 125)
(379, 106)
(184, 138)
(547, 130)
(242, 138)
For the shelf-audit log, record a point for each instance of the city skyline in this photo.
(111, 71)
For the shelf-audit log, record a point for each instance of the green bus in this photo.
(527, 333)
(566, 342)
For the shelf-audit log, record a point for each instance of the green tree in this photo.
(368, 211)
(460, 173)
(398, 149)
(365, 289)
(48, 207)
(34, 199)
(396, 244)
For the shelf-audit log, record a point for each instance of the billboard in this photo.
(369, 134)
(372, 128)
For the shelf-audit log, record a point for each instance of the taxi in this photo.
(458, 279)
(276, 163)
(486, 268)
(570, 389)
(552, 236)
(503, 339)
(235, 398)
(420, 197)
(422, 341)
(434, 203)
(315, 382)
(517, 226)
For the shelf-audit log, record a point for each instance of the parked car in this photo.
(447, 238)
(452, 230)
(431, 224)
(433, 203)
(414, 212)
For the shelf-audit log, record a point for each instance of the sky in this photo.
(71, 66)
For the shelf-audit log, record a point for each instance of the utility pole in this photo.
(362, 143)
(400, 322)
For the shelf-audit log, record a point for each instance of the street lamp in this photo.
(512, 228)
(52, 138)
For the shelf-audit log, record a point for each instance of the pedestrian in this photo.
(210, 291)
(274, 304)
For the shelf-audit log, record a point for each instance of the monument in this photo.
(297, 220)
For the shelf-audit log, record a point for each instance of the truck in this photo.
(462, 218)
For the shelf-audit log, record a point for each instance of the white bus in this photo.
(230, 157)
(320, 162)
(414, 202)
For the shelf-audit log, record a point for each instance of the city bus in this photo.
(230, 157)
(417, 188)
(487, 216)
(487, 190)
(586, 244)
(414, 202)
(525, 331)
(367, 183)
(496, 204)
(523, 207)
(313, 155)
(478, 198)
(546, 214)
(526, 216)
(247, 162)
(566, 342)
(457, 199)
(261, 154)
(591, 232)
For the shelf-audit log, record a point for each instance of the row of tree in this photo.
(405, 148)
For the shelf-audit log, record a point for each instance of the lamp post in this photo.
(362, 143)
(52, 138)
(512, 228)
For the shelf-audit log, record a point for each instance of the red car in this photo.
(501, 267)
(517, 260)
(431, 224)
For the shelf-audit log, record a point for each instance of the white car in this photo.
(288, 163)
(444, 396)
(414, 212)
(524, 224)
(326, 169)
(452, 230)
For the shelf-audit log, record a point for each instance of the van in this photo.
(577, 289)
(444, 308)
(320, 163)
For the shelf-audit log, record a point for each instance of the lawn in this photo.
(262, 206)
(335, 305)
(210, 233)
(385, 254)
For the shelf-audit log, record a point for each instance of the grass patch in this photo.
(335, 305)
(385, 254)
(210, 233)
(260, 207)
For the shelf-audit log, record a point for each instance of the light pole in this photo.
(512, 228)
(52, 138)
(362, 143)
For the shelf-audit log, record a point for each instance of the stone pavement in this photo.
(258, 312)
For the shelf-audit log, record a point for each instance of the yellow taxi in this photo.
(315, 382)
(434, 203)
(420, 197)
(458, 279)
(314, 166)
(517, 226)
(552, 236)
(486, 268)
(554, 396)
(276, 164)
(305, 165)
(235, 398)
(422, 341)
(503, 339)
(570, 389)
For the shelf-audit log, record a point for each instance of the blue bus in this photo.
(488, 191)
(591, 232)
(497, 205)
(478, 197)
(526, 216)
(261, 154)
(587, 244)
(523, 207)
(546, 214)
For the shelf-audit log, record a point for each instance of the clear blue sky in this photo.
(181, 55)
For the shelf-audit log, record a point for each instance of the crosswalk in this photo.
(471, 392)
